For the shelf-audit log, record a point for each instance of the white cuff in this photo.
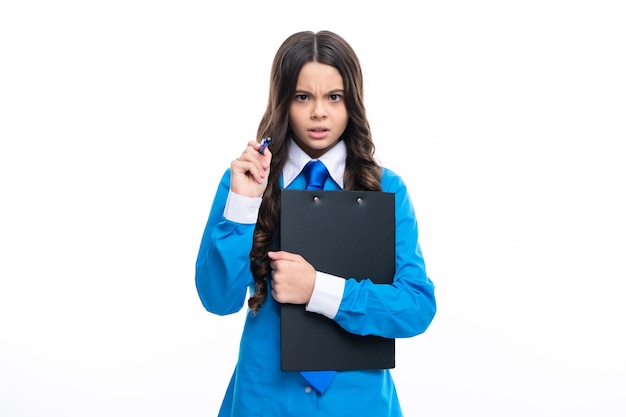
(240, 209)
(327, 294)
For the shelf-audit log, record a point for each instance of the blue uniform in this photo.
(258, 387)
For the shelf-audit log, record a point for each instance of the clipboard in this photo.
(350, 234)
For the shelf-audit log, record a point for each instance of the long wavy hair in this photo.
(361, 172)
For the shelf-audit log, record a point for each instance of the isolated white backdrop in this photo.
(506, 119)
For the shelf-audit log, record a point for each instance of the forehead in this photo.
(316, 76)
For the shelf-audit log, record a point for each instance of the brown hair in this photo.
(361, 172)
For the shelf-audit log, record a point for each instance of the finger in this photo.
(266, 158)
(284, 255)
(256, 146)
(263, 161)
(249, 168)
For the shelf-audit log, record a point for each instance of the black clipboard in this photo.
(350, 234)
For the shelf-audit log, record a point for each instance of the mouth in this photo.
(318, 133)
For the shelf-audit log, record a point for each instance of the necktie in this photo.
(316, 174)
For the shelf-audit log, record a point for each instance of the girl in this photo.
(315, 111)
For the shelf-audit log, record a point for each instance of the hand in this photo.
(249, 172)
(293, 278)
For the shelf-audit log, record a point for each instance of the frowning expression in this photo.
(318, 114)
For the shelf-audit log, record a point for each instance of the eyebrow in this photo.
(331, 92)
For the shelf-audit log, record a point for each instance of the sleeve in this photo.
(327, 294)
(223, 263)
(404, 308)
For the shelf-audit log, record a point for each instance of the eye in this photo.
(335, 97)
(301, 97)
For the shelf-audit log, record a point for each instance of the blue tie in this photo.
(316, 174)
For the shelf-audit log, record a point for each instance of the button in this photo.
(308, 390)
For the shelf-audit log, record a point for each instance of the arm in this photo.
(223, 264)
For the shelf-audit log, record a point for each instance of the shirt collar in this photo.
(334, 159)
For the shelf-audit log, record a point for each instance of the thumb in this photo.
(282, 255)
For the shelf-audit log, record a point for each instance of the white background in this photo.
(505, 118)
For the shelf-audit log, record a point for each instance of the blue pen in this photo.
(264, 144)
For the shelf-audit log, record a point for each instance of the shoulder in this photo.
(391, 182)
(225, 180)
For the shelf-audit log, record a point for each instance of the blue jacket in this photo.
(258, 386)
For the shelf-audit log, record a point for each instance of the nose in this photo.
(319, 110)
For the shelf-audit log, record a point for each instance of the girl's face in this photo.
(318, 114)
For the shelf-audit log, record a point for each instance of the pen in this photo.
(264, 144)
